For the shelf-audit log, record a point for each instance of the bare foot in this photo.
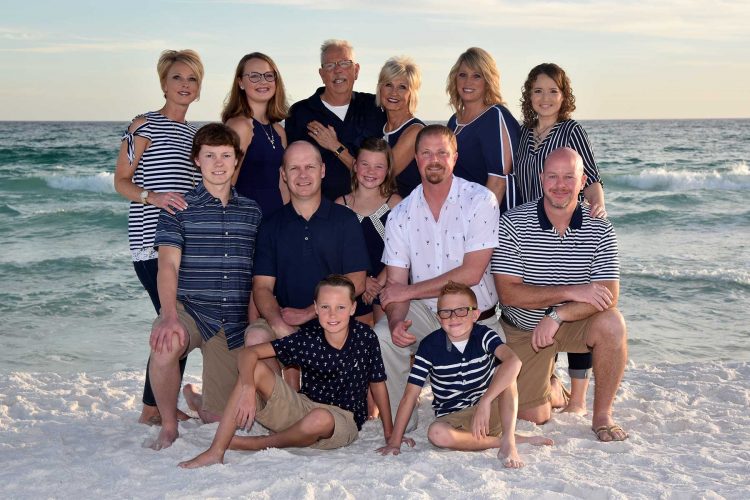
(559, 396)
(508, 455)
(150, 415)
(534, 440)
(574, 408)
(193, 398)
(166, 438)
(202, 460)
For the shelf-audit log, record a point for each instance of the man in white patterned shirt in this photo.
(445, 230)
(557, 271)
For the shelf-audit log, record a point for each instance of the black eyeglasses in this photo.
(459, 312)
(269, 76)
(344, 64)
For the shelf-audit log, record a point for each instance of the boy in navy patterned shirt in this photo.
(475, 403)
(339, 358)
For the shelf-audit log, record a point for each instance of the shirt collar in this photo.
(323, 211)
(203, 196)
(575, 222)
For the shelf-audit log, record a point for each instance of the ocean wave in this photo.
(103, 182)
(737, 178)
(731, 277)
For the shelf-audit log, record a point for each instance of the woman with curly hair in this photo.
(547, 102)
(254, 108)
(486, 132)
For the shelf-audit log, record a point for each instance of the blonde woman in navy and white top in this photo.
(486, 132)
(154, 169)
(397, 93)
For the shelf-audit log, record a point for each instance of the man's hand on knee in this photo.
(162, 335)
(400, 334)
(544, 333)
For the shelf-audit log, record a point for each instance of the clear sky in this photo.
(96, 60)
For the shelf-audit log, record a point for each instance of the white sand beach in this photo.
(77, 437)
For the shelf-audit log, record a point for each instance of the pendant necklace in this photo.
(270, 137)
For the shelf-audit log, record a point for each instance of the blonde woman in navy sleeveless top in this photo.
(486, 132)
(154, 168)
(397, 93)
(254, 109)
(371, 199)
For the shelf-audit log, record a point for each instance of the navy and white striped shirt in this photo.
(165, 166)
(531, 248)
(458, 379)
(529, 162)
(216, 269)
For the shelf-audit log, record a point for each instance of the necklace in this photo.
(541, 134)
(269, 136)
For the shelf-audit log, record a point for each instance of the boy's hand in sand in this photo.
(395, 449)
(162, 335)
(246, 407)
(480, 422)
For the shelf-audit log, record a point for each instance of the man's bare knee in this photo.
(608, 328)
(166, 357)
(255, 335)
(539, 415)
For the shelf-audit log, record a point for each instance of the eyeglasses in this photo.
(343, 64)
(459, 312)
(269, 76)
(429, 155)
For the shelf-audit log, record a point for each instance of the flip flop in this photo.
(608, 430)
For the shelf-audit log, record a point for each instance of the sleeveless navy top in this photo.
(259, 174)
(409, 178)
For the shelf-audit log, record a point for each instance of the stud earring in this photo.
(242, 88)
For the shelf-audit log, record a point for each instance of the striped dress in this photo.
(164, 166)
(529, 161)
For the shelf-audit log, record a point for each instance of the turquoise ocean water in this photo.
(677, 193)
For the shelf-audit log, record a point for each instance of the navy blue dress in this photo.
(480, 149)
(409, 178)
(259, 174)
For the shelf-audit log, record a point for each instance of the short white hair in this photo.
(335, 43)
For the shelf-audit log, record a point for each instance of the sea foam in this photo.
(737, 178)
(103, 182)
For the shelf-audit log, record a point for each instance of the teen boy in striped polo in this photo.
(205, 278)
(557, 272)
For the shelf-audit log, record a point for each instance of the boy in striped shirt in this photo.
(474, 399)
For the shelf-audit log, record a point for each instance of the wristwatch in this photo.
(340, 150)
(144, 196)
(552, 313)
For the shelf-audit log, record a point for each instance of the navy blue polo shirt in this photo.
(333, 376)
(299, 253)
(216, 267)
(363, 119)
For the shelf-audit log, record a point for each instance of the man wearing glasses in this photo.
(445, 230)
(335, 118)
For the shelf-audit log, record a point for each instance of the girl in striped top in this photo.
(547, 102)
(154, 168)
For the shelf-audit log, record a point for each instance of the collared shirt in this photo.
(363, 120)
(531, 248)
(458, 379)
(299, 252)
(333, 376)
(467, 223)
(216, 268)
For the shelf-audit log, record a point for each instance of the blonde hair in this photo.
(396, 67)
(481, 61)
(187, 57)
(236, 104)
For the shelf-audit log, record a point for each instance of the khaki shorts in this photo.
(219, 363)
(285, 408)
(534, 380)
(461, 419)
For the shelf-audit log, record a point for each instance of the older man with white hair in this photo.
(335, 118)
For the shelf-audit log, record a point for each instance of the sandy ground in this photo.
(77, 437)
